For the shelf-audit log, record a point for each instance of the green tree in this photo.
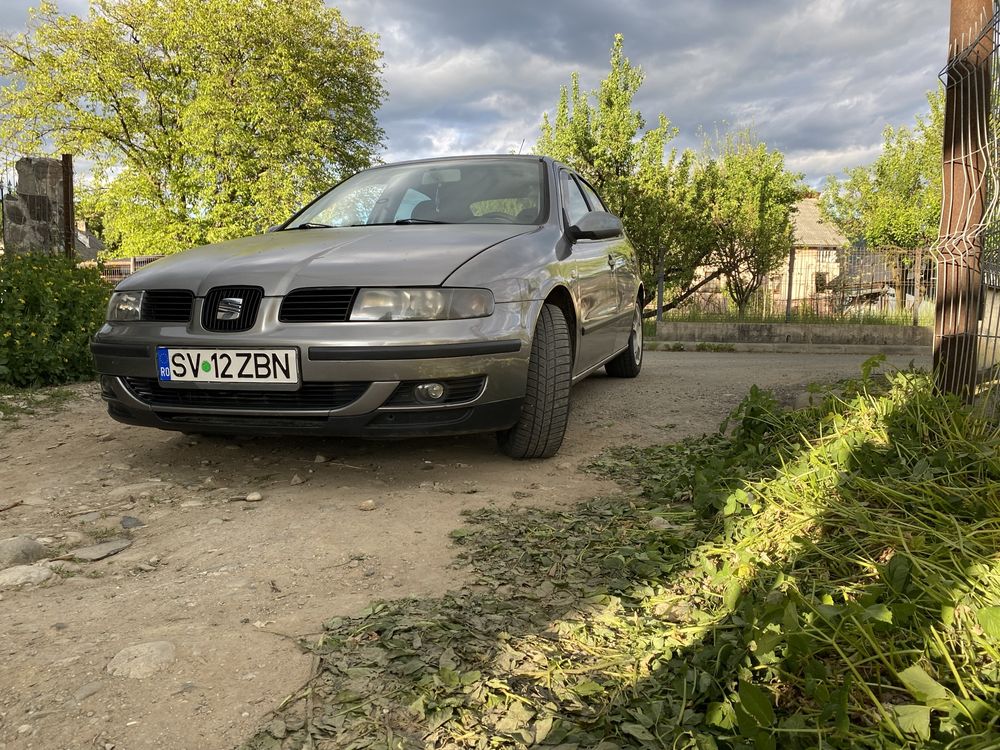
(896, 201)
(894, 205)
(661, 198)
(752, 214)
(205, 119)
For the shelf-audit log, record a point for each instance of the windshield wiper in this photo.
(421, 221)
(313, 225)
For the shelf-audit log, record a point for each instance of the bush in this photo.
(49, 309)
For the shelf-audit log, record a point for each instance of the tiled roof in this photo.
(810, 228)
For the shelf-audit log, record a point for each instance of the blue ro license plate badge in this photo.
(228, 366)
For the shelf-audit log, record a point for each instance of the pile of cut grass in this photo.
(828, 577)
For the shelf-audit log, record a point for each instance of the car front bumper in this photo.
(366, 368)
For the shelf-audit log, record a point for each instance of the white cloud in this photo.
(819, 79)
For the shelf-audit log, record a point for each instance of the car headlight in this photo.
(125, 306)
(422, 304)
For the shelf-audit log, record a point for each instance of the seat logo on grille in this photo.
(229, 308)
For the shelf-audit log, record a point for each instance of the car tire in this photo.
(628, 364)
(539, 431)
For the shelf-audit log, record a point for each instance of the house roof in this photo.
(810, 228)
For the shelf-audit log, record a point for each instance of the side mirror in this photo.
(596, 225)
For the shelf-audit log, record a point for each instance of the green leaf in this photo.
(756, 703)
(879, 613)
(720, 715)
(588, 687)
(638, 731)
(989, 621)
(897, 572)
(733, 593)
(913, 720)
(922, 686)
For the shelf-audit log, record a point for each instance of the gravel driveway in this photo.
(213, 589)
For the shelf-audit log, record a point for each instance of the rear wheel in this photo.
(629, 362)
(539, 432)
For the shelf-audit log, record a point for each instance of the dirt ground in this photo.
(228, 583)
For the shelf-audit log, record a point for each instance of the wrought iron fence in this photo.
(831, 284)
(967, 321)
(117, 269)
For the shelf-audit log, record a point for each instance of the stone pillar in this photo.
(34, 213)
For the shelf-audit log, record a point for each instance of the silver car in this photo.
(434, 297)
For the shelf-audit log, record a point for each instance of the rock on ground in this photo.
(21, 550)
(23, 575)
(142, 660)
(100, 551)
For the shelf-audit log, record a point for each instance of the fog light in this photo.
(429, 392)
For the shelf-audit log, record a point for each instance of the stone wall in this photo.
(33, 216)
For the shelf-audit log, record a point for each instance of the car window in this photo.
(352, 207)
(410, 200)
(596, 203)
(573, 200)
(479, 191)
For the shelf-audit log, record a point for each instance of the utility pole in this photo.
(659, 288)
(967, 104)
(3, 213)
(69, 219)
(791, 277)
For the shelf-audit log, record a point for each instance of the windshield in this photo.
(460, 192)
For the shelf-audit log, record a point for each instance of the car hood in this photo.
(407, 255)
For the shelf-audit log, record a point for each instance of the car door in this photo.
(593, 282)
(625, 267)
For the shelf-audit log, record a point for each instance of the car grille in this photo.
(250, 297)
(457, 391)
(317, 305)
(309, 396)
(167, 305)
(196, 422)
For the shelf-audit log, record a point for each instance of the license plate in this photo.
(227, 365)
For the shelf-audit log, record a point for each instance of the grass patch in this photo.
(708, 346)
(18, 402)
(871, 318)
(827, 577)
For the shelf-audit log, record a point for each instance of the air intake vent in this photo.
(231, 308)
(309, 396)
(317, 305)
(167, 305)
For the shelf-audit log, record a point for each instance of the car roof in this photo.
(470, 157)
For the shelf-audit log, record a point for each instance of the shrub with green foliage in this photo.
(49, 310)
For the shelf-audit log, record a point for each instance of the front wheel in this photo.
(629, 362)
(545, 411)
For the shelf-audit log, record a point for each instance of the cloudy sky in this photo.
(818, 79)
